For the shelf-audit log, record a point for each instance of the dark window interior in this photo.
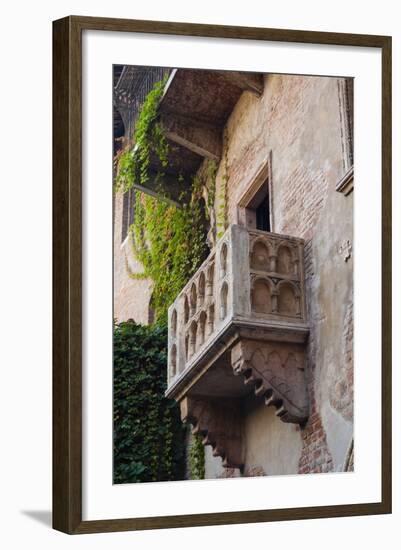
(262, 215)
(257, 212)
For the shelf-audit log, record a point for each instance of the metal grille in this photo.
(130, 91)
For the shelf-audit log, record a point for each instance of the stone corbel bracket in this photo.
(219, 424)
(277, 371)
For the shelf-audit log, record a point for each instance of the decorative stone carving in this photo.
(285, 263)
(202, 328)
(288, 299)
(262, 296)
(193, 299)
(260, 258)
(220, 425)
(242, 313)
(223, 300)
(173, 358)
(201, 288)
(270, 295)
(277, 372)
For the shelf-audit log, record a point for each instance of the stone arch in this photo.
(285, 260)
(173, 360)
(209, 279)
(210, 320)
(192, 338)
(201, 288)
(186, 347)
(223, 300)
(193, 298)
(223, 260)
(186, 309)
(260, 255)
(202, 328)
(173, 323)
(262, 296)
(288, 299)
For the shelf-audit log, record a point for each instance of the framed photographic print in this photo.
(222, 290)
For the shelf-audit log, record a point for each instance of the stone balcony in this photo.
(237, 331)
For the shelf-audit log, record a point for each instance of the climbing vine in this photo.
(222, 214)
(197, 458)
(168, 240)
(211, 171)
(170, 243)
(148, 433)
(133, 162)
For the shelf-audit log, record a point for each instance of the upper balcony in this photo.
(243, 312)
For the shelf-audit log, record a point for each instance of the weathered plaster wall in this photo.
(131, 296)
(330, 288)
(271, 446)
(298, 120)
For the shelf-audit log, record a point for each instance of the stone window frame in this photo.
(345, 87)
(262, 175)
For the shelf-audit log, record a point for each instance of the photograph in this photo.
(232, 274)
(214, 307)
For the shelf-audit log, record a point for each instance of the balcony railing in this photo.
(253, 278)
(243, 313)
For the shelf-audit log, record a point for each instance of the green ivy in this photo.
(211, 171)
(197, 458)
(170, 243)
(148, 433)
(148, 140)
(222, 215)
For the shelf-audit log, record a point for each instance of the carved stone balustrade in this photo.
(237, 331)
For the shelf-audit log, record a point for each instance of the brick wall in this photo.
(341, 392)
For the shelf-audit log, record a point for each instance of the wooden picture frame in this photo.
(67, 273)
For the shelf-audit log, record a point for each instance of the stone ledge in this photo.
(346, 184)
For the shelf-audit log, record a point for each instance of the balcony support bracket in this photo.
(277, 372)
(219, 423)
